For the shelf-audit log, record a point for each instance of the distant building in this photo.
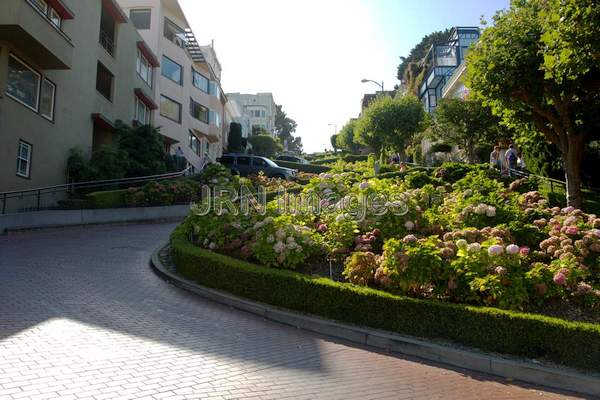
(443, 66)
(257, 111)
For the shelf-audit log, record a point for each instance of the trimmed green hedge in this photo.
(310, 168)
(355, 157)
(568, 343)
(108, 199)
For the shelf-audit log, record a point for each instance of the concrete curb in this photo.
(63, 218)
(523, 371)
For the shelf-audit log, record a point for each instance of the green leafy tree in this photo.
(284, 125)
(265, 145)
(144, 149)
(333, 140)
(345, 139)
(234, 143)
(539, 64)
(259, 130)
(108, 162)
(295, 145)
(466, 124)
(390, 123)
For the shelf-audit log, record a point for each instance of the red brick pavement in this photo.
(83, 317)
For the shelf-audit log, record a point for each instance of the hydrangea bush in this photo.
(458, 234)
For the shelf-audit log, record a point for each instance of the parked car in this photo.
(294, 159)
(244, 165)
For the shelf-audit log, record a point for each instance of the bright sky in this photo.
(312, 54)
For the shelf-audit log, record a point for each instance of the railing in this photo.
(47, 198)
(107, 42)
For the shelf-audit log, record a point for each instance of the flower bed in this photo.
(567, 343)
(460, 235)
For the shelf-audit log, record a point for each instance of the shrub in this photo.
(527, 335)
(418, 179)
(310, 168)
(452, 172)
(108, 199)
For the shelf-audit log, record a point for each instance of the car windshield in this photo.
(270, 163)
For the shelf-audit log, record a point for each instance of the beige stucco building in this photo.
(257, 111)
(68, 70)
(188, 86)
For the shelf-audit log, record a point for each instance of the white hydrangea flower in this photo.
(490, 212)
(474, 248)
(512, 249)
(270, 239)
(212, 246)
(281, 234)
(409, 225)
(481, 209)
(279, 247)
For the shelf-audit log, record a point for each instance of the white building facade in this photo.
(257, 111)
(188, 89)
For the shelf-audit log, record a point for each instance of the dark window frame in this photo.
(99, 67)
(139, 10)
(176, 102)
(30, 161)
(162, 64)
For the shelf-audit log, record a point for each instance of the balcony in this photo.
(24, 26)
(107, 42)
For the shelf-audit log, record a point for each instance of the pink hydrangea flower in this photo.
(512, 249)
(496, 250)
(524, 251)
(322, 228)
(500, 271)
(572, 230)
(364, 186)
(410, 239)
(568, 210)
(560, 279)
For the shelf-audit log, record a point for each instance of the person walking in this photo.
(495, 161)
(511, 159)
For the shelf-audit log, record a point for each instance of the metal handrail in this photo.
(70, 187)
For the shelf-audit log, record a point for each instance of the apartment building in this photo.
(442, 63)
(188, 88)
(68, 70)
(258, 111)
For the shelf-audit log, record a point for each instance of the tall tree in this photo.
(144, 147)
(284, 125)
(345, 140)
(539, 63)
(333, 141)
(390, 123)
(410, 70)
(265, 145)
(466, 124)
(234, 143)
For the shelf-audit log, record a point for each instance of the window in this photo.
(104, 81)
(215, 118)
(23, 83)
(214, 89)
(24, 159)
(174, 33)
(259, 162)
(243, 161)
(200, 81)
(47, 99)
(199, 112)
(144, 69)
(142, 112)
(262, 113)
(170, 109)
(140, 18)
(171, 70)
(55, 18)
(194, 143)
(41, 4)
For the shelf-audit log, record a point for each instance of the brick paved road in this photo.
(83, 316)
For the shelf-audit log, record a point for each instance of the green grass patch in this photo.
(568, 343)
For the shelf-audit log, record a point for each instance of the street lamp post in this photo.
(375, 82)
